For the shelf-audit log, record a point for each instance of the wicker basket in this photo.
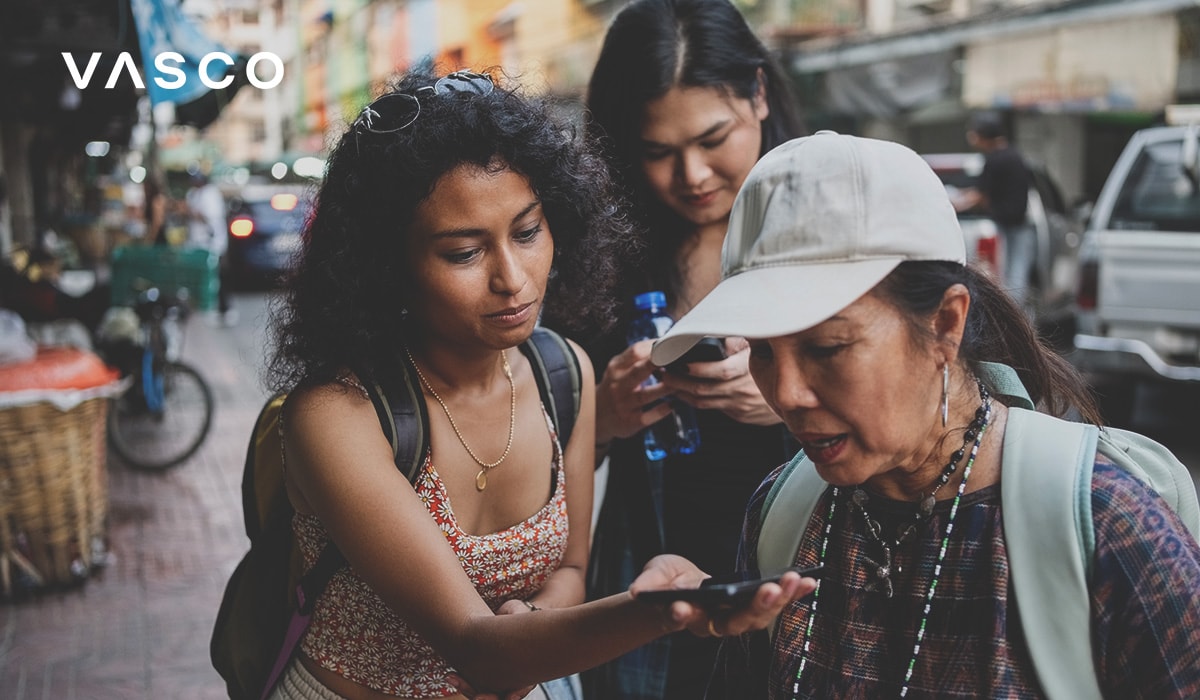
(53, 491)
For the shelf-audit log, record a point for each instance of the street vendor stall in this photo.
(53, 476)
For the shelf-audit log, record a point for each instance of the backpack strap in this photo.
(1155, 465)
(406, 426)
(409, 424)
(1045, 489)
(556, 370)
(786, 511)
(1003, 381)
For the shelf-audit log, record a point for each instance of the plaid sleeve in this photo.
(1145, 591)
(741, 668)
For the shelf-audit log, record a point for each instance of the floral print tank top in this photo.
(354, 634)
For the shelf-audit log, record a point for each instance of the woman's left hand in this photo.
(514, 606)
(672, 571)
(725, 386)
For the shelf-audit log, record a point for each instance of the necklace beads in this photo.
(976, 431)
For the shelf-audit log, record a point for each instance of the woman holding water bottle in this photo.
(684, 99)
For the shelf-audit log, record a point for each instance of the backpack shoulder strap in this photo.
(1157, 467)
(408, 426)
(1045, 489)
(556, 369)
(1004, 381)
(786, 511)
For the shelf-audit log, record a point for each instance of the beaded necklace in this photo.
(883, 569)
(986, 409)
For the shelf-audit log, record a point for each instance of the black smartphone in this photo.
(707, 350)
(724, 592)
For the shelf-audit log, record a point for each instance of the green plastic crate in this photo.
(136, 267)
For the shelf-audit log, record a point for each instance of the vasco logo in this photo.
(168, 64)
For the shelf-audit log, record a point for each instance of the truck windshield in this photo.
(1158, 195)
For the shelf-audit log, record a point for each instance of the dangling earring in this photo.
(945, 393)
(404, 317)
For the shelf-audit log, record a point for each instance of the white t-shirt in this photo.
(208, 231)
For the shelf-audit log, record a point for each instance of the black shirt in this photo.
(1005, 181)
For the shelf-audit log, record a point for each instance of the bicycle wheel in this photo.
(149, 439)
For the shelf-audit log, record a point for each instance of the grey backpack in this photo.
(1047, 516)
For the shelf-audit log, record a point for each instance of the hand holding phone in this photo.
(723, 592)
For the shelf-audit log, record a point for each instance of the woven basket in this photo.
(53, 491)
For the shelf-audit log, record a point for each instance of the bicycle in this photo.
(166, 413)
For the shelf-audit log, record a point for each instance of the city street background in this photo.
(140, 627)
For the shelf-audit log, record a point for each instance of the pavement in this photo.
(139, 628)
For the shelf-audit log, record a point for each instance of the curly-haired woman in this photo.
(451, 212)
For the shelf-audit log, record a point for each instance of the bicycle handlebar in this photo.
(154, 305)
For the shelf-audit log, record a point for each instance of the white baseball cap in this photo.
(818, 223)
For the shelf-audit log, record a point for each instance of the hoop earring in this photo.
(945, 393)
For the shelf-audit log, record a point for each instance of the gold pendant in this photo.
(481, 480)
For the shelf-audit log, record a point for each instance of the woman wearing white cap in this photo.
(953, 568)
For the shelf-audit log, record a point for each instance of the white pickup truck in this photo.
(1139, 291)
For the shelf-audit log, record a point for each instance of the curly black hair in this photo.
(342, 303)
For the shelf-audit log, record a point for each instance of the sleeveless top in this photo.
(357, 636)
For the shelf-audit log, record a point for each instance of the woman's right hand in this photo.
(620, 395)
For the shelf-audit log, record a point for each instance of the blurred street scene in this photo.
(123, 172)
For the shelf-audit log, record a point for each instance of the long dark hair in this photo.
(651, 47)
(343, 304)
(997, 330)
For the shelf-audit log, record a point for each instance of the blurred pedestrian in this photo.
(910, 380)
(683, 100)
(206, 229)
(1003, 191)
(453, 211)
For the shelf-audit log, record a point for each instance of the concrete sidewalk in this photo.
(140, 627)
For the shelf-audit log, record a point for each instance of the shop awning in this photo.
(1126, 66)
(162, 27)
(1003, 23)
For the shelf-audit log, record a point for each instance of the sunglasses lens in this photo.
(464, 81)
(397, 111)
(391, 113)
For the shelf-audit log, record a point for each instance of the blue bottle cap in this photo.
(650, 301)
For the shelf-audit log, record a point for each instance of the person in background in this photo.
(1003, 191)
(452, 213)
(903, 372)
(206, 229)
(683, 100)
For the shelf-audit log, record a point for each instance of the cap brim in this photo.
(772, 301)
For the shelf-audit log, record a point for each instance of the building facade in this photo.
(1074, 78)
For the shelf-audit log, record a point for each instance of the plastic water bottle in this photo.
(678, 433)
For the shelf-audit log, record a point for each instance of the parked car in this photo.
(1139, 292)
(265, 222)
(1053, 281)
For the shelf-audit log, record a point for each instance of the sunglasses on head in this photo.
(398, 110)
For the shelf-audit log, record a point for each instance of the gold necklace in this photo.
(481, 477)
